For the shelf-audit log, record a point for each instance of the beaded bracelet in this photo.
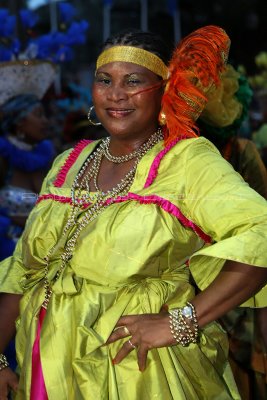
(183, 332)
(3, 362)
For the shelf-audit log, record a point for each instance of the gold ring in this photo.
(126, 330)
(131, 344)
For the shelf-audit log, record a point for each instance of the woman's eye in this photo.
(133, 82)
(105, 81)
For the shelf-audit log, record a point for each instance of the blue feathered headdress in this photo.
(54, 46)
(30, 68)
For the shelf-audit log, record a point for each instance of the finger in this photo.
(126, 320)
(131, 344)
(142, 357)
(14, 383)
(125, 330)
(127, 347)
(118, 333)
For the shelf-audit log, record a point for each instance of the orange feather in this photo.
(195, 67)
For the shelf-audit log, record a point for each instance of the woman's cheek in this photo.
(98, 92)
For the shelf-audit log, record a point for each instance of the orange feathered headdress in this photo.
(195, 67)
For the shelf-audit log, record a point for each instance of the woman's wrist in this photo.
(3, 362)
(184, 324)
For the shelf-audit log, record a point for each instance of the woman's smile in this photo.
(119, 112)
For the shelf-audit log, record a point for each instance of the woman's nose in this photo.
(117, 93)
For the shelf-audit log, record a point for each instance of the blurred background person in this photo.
(259, 136)
(25, 151)
(30, 136)
(220, 122)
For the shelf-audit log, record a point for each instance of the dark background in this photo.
(244, 20)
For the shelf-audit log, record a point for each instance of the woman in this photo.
(105, 253)
(26, 155)
(25, 152)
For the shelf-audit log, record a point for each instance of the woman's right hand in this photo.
(8, 380)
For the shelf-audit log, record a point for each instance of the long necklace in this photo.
(102, 200)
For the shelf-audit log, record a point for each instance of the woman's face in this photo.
(34, 125)
(122, 103)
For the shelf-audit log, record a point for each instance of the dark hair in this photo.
(145, 40)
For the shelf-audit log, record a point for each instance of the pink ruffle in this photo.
(167, 206)
(61, 199)
(164, 204)
(61, 176)
(54, 197)
(153, 171)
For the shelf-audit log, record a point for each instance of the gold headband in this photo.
(133, 55)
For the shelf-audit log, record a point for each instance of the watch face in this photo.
(187, 312)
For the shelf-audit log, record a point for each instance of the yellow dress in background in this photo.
(132, 259)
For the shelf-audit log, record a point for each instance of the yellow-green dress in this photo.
(132, 259)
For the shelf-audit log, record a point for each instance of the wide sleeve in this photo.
(11, 272)
(235, 216)
(12, 269)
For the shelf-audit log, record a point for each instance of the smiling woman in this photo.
(132, 252)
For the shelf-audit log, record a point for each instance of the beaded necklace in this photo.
(102, 199)
(120, 159)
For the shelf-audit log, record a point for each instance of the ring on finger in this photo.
(131, 344)
(126, 331)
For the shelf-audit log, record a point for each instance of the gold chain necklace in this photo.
(102, 201)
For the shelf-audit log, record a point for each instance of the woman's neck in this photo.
(126, 145)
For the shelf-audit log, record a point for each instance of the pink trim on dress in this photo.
(153, 171)
(167, 206)
(164, 204)
(74, 154)
(38, 389)
(55, 197)
(61, 199)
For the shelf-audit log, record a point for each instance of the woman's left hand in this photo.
(146, 331)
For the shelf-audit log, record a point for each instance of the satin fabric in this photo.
(132, 259)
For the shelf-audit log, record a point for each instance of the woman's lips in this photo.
(119, 112)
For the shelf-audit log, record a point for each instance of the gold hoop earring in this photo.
(89, 117)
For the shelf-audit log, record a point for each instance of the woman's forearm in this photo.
(235, 284)
(9, 311)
